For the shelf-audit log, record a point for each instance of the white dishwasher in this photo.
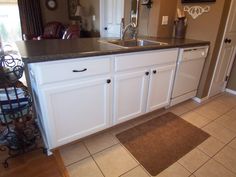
(188, 73)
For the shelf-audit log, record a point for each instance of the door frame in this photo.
(219, 54)
(102, 20)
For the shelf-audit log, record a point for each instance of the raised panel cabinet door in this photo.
(76, 109)
(160, 87)
(130, 93)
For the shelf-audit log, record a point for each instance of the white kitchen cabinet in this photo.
(160, 87)
(130, 92)
(143, 83)
(78, 97)
(76, 109)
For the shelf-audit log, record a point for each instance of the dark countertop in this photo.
(52, 50)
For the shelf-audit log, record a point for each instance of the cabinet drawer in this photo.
(143, 59)
(48, 72)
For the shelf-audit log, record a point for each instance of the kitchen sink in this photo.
(134, 43)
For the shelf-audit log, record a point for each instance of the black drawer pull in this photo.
(154, 72)
(147, 73)
(79, 71)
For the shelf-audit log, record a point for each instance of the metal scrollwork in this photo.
(19, 132)
(196, 11)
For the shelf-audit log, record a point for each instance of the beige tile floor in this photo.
(103, 156)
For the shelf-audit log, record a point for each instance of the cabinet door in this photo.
(160, 87)
(130, 95)
(76, 109)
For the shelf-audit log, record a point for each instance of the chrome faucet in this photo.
(132, 27)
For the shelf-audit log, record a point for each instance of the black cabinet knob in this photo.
(108, 81)
(227, 40)
(106, 28)
(147, 73)
(154, 72)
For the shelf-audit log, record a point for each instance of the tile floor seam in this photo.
(212, 158)
(145, 170)
(214, 119)
(130, 154)
(189, 110)
(201, 165)
(220, 162)
(216, 151)
(215, 154)
(94, 160)
(77, 161)
(184, 166)
(224, 125)
(224, 166)
(92, 154)
(128, 171)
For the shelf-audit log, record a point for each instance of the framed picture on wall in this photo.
(74, 9)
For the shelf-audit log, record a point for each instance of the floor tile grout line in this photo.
(94, 159)
(184, 166)
(200, 105)
(130, 154)
(192, 173)
(145, 170)
(90, 154)
(216, 151)
(224, 125)
(214, 119)
(212, 158)
(226, 145)
(128, 171)
(73, 163)
(211, 121)
(138, 164)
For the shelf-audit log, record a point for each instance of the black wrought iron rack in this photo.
(19, 132)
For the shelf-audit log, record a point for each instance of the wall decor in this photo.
(51, 4)
(74, 9)
(196, 11)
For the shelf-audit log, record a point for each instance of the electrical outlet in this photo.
(165, 20)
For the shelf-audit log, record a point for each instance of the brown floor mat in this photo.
(162, 141)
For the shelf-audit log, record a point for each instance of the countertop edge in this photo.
(120, 50)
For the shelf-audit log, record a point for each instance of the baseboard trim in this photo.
(231, 91)
(200, 100)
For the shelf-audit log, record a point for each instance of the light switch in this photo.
(94, 18)
(165, 20)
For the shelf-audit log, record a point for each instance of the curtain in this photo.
(31, 18)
